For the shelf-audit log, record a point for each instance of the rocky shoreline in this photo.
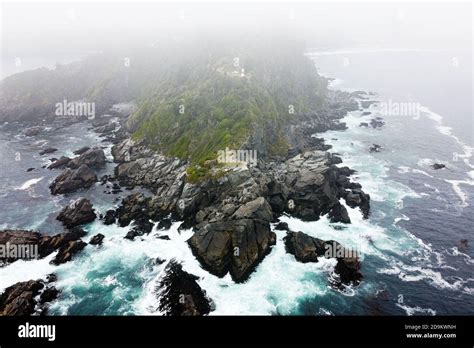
(231, 214)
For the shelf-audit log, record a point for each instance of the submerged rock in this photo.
(437, 166)
(180, 295)
(48, 150)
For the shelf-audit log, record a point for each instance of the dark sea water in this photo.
(412, 260)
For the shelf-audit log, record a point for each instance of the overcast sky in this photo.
(46, 33)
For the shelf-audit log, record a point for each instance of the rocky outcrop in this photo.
(67, 243)
(27, 298)
(78, 212)
(72, 180)
(92, 158)
(180, 295)
(234, 246)
(339, 213)
(307, 249)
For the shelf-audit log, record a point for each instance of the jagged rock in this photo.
(97, 239)
(348, 269)
(93, 158)
(357, 198)
(59, 163)
(67, 251)
(48, 150)
(339, 214)
(110, 217)
(72, 180)
(141, 226)
(20, 299)
(180, 295)
(45, 244)
(81, 150)
(78, 212)
(234, 246)
(256, 209)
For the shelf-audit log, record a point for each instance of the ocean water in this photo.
(411, 257)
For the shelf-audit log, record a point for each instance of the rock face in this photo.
(67, 243)
(307, 249)
(21, 299)
(77, 213)
(234, 246)
(73, 180)
(93, 158)
(180, 295)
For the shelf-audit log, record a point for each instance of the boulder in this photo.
(81, 150)
(67, 250)
(305, 248)
(97, 239)
(48, 150)
(437, 166)
(93, 158)
(234, 246)
(73, 180)
(110, 217)
(78, 212)
(59, 163)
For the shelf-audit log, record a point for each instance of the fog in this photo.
(42, 34)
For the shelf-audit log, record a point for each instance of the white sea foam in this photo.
(28, 184)
(416, 310)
